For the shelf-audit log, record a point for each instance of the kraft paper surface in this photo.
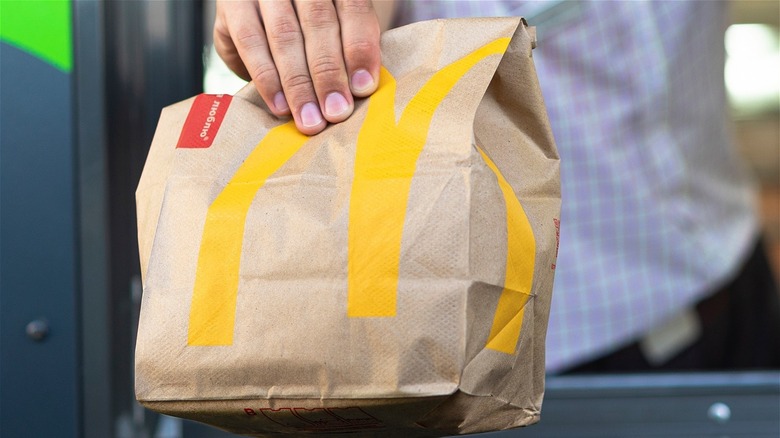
(390, 275)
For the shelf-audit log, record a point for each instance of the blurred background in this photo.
(82, 83)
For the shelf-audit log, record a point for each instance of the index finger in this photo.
(286, 41)
(239, 37)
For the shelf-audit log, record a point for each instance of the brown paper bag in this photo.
(389, 276)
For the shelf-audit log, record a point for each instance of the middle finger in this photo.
(285, 39)
(322, 40)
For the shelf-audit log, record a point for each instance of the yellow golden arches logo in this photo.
(375, 226)
(213, 310)
(520, 261)
(384, 163)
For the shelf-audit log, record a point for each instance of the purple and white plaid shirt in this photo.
(658, 211)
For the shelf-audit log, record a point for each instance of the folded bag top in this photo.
(392, 274)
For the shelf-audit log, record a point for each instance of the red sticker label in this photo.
(204, 120)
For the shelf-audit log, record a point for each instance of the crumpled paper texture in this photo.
(303, 352)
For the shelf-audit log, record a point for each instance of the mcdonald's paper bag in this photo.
(390, 276)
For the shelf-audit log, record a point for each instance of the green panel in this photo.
(39, 27)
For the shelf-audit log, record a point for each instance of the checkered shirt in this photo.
(658, 210)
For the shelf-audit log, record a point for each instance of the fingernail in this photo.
(362, 81)
(310, 115)
(335, 105)
(280, 102)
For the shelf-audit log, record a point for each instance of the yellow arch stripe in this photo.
(384, 165)
(385, 162)
(521, 252)
(213, 311)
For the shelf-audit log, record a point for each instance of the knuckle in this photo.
(220, 27)
(285, 32)
(264, 74)
(360, 49)
(319, 15)
(325, 67)
(249, 37)
(222, 42)
(297, 84)
(357, 7)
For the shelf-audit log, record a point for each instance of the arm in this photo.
(307, 58)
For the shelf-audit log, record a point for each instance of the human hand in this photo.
(308, 58)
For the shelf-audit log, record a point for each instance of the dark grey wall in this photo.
(72, 147)
(39, 379)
